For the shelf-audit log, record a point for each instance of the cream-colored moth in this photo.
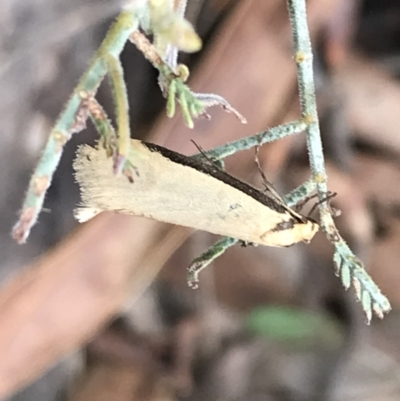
(191, 192)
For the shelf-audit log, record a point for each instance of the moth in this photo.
(181, 190)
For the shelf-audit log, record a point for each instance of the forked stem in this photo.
(72, 120)
(349, 267)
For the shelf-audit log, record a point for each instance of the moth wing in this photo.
(173, 193)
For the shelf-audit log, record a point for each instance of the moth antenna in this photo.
(328, 197)
(268, 185)
(214, 163)
(199, 148)
(299, 206)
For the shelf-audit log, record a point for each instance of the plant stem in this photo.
(270, 135)
(72, 120)
(349, 267)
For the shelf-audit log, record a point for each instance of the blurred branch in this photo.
(359, 79)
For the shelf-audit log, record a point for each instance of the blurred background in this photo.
(103, 311)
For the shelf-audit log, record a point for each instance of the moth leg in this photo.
(303, 194)
(299, 194)
(219, 164)
(327, 198)
(206, 258)
(268, 185)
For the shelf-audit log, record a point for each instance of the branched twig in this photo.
(348, 265)
(157, 17)
(206, 258)
(71, 120)
(172, 82)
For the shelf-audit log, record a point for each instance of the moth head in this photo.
(308, 229)
(290, 232)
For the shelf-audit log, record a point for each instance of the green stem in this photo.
(350, 268)
(71, 120)
(270, 135)
(122, 110)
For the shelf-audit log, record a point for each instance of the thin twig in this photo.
(72, 120)
(348, 265)
(269, 135)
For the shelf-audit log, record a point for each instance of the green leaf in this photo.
(295, 327)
